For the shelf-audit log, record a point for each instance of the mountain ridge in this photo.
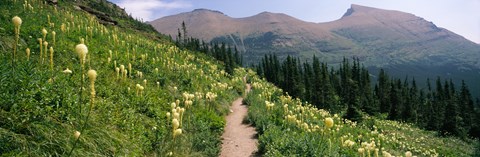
(379, 38)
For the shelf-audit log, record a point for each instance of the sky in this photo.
(459, 16)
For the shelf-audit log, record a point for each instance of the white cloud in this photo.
(147, 9)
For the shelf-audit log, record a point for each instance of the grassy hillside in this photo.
(50, 105)
(46, 110)
(290, 127)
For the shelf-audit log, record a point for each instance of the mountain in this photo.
(401, 43)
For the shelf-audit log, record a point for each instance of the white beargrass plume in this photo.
(386, 154)
(44, 32)
(122, 69)
(45, 45)
(141, 90)
(138, 88)
(176, 114)
(54, 33)
(51, 58)
(145, 82)
(92, 76)
(175, 124)
(361, 151)
(17, 22)
(82, 51)
(28, 53)
(177, 132)
(408, 154)
(182, 110)
(76, 134)
(130, 69)
(328, 122)
(67, 71)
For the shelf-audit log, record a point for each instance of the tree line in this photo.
(440, 107)
(220, 51)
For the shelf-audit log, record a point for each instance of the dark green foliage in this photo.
(353, 114)
(477, 149)
(221, 52)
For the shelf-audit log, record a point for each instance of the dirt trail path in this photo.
(239, 140)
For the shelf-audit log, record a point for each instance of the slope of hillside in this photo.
(289, 127)
(147, 98)
(399, 42)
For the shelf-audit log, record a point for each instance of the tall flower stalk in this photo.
(51, 59)
(82, 51)
(92, 76)
(17, 21)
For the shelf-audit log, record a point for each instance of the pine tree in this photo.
(330, 99)
(394, 101)
(383, 91)
(450, 124)
(317, 84)
(466, 107)
(368, 103)
(414, 103)
(184, 29)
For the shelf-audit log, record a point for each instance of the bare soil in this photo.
(239, 139)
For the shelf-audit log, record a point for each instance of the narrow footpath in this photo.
(238, 139)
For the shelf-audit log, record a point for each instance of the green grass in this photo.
(41, 108)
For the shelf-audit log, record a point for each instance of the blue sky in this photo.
(459, 16)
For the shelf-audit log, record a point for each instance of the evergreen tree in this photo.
(450, 124)
(307, 81)
(368, 103)
(466, 107)
(184, 29)
(317, 82)
(394, 101)
(383, 91)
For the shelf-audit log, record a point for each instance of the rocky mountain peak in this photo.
(207, 11)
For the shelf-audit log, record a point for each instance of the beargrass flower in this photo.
(76, 134)
(67, 71)
(328, 122)
(82, 51)
(92, 75)
(17, 21)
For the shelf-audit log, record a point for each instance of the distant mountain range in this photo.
(401, 43)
